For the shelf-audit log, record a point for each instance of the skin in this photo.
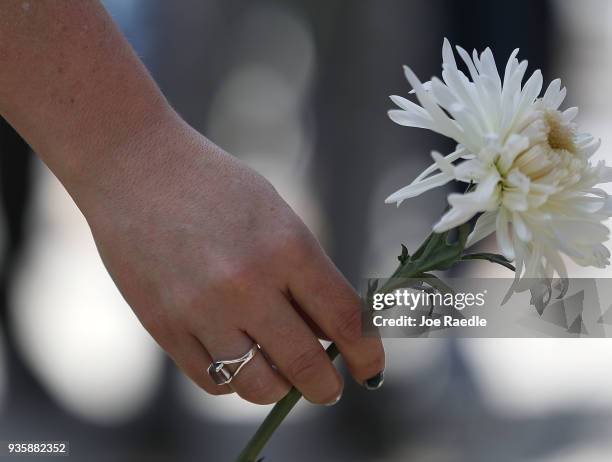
(207, 254)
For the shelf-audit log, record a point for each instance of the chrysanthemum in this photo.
(528, 166)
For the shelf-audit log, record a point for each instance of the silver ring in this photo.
(222, 375)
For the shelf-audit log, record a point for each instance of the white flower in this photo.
(528, 165)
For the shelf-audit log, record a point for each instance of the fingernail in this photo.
(335, 400)
(374, 383)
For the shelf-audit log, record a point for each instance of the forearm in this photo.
(72, 86)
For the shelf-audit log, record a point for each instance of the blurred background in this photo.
(299, 91)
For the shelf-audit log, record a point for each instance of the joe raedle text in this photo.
(427, 321)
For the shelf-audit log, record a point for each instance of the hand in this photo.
(211, 259)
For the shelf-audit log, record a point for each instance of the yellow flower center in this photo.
(560, 135)
(554, 155)
(551, 163)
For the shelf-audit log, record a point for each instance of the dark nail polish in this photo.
(374, 383)
(335, 401)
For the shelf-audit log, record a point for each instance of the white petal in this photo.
(503, 236)
(520, 227)
(570, 114)
(530, 92)
(560, 97)
(443, 164)
(407, 119)
(417, 188)
(515, 201)
(553, 257)
(471, 170)
(454, 217)
(489, 68)
(606, 207)
(485, 225)
(515, 144)
(408, 105)
(573, 235)
(465, 206)
(468, 62)
(476, 60)
(589, 149)
(605, 173)
(441, 122)
(511, 65)
(444, 96)
(483, 198)
(426, 86)
(552, 93)
(453, 156)
(582, 139)
(447, 54)
(533, 263)
(511, 95)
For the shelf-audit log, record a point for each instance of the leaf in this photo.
(437, 253)
(437, 240)
(419, 253)
(404, 257)
(492, 257)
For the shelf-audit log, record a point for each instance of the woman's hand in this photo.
(211, 259)
(207, 254)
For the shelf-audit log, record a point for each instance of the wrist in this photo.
(98, 147)
(109, 165)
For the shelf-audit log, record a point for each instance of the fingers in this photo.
(329, 300)
(256, 382)
(297, 353)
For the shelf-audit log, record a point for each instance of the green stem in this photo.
(276, 416)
